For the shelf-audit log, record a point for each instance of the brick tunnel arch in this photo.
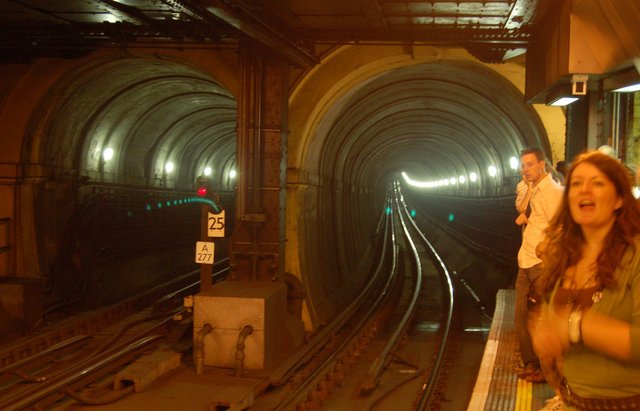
(95, 215)
(437, 115)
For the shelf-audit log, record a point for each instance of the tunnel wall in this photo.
(337, 187)
(46, 106)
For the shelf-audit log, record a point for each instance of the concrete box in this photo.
(228, 307)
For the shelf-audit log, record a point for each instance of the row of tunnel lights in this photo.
(514, 163)
(107, 155)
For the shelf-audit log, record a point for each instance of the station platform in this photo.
(497, 387)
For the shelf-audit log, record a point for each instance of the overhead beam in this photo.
(434, 35)
(244, 20)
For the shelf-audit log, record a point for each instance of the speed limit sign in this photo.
(215, 224)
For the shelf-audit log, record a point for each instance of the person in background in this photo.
(559, 172)
(589, 322)
(536, 209)
(561, 167)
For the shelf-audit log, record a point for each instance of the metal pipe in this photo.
(198, 348)
(244, 333)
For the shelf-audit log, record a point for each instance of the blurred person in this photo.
(589, 322)
(561, 167)
(536, 209)
(559, 172)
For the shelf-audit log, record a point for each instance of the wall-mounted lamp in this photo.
(107, 154)
(514, 163)
(625, 82)
(561, 95)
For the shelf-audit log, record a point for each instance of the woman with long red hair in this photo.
(589, 322)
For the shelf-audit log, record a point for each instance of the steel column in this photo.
(257, 243)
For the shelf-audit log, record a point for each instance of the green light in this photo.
(159, 205)
(388, 210)
(451, 217)
(413, 213)
(148, 207)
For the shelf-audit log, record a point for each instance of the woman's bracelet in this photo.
(575, 327)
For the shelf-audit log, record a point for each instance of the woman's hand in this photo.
(550, 334)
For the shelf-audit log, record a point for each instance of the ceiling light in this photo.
(628, 89)
(625, 82)
(561, 95)
(562, 101)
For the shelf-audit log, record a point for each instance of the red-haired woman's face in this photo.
(592, 197)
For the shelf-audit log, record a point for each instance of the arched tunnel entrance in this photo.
(433, 118)
(119, 141)
(123, 141)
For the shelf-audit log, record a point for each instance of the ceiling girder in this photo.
(244, 20)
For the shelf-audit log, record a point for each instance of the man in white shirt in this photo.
(536, 209)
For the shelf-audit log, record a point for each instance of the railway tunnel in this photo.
(114, 141)
(102, 151)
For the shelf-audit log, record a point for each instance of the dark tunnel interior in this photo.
(124, 141)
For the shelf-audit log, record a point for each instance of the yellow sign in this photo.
(204, 252)
(215, 224)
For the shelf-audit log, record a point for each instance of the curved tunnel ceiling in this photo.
(149, 112)
(433, 120)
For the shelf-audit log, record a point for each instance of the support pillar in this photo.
(257, 244)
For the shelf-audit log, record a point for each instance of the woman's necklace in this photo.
(575, 290)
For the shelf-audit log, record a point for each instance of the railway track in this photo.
(390, 347)
(48, 364)
(390, 339)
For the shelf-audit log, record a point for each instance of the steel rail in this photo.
(88, 367)
(313, 389)
(429, 384)
(318, 378)
(372, 377)
(26, 346)
(53, 350)
(94, 357)
(282, 374)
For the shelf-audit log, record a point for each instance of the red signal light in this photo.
(202, 191)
